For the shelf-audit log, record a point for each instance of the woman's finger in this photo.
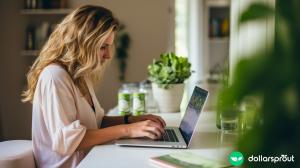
(158, 119)
(150, 135)
(161, 120)
(156, 125)
(153, 130)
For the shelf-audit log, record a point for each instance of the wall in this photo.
(147, 22)
(15, 116)
(196, 44)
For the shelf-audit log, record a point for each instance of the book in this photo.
(185, 160)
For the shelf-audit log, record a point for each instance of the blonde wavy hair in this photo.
(75, 45)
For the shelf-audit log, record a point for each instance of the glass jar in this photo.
(125, 97)
(138, 103)
(124, 101)
(151, 106)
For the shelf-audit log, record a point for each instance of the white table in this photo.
(208, 142)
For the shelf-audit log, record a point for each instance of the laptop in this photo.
(175, 137)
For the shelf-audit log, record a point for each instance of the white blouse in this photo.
(61, 115)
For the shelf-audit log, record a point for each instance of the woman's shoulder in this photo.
(55, 72)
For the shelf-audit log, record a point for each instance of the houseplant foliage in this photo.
(122, 46)
(169, 69)
(273, 77)
(168, 75)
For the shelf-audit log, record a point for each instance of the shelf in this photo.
(219, 39)
(30, 53)
(45, 11)
(218, 3)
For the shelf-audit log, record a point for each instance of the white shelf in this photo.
(30, 53)
(219, 40)
(45, 11)
(218, 3)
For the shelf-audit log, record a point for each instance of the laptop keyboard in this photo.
(169, 136)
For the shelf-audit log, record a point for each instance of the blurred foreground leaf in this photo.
(256, 11)
(272, 77)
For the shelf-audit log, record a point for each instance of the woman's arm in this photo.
(146, 128)
(108, 121)
(93, 137)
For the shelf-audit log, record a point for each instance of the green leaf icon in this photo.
(236, 158)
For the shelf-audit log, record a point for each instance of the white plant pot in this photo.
(168, 100)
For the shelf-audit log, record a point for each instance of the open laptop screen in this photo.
(192, 113)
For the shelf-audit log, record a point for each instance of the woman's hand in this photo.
(147, 128)
(154, 118)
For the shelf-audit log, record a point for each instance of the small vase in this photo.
(168, 100)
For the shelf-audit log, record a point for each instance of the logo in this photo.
(236, 158)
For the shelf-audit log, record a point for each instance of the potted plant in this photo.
(168, 75)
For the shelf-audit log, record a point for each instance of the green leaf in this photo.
(256, 11)
(170, 69)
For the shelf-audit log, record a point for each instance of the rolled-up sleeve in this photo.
(59, 110)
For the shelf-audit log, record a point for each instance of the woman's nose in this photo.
(106, 55)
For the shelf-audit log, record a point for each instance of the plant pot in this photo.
(168, 100)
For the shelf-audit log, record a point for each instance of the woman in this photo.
(67, 119)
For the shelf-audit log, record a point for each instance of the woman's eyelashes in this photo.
(104, 47)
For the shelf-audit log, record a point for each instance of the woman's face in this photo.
(106, 47)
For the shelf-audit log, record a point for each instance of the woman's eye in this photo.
(104, 47)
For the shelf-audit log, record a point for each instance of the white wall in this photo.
(249, 37)
(195, 46)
